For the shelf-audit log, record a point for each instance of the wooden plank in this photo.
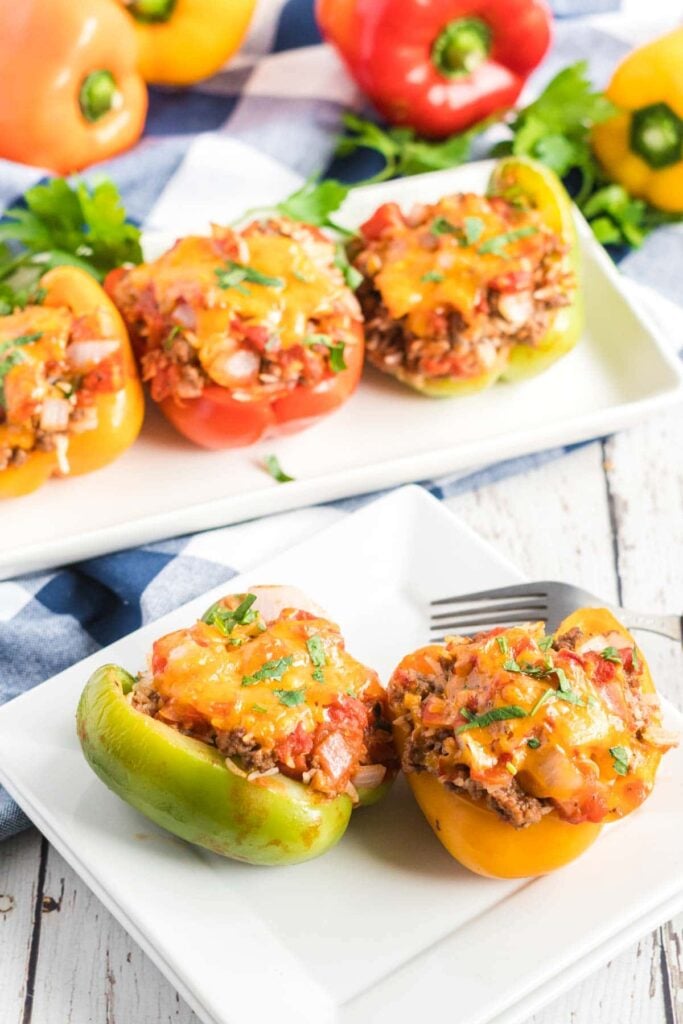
(89, 969)
(19, 879)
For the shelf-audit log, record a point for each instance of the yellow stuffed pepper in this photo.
(519, 746)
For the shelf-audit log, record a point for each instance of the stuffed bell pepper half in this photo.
(519, 746)
(472, 289)
(246, 333)
(253, 733)
(70, 397)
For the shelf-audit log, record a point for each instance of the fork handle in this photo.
(666, 625)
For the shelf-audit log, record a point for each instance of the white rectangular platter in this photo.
(386, 928)
(621, 370)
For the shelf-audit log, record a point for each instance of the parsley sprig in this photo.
(60, 223)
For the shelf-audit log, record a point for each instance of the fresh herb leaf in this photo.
(272, 464)
(171, 337)
(468, 234)
(270, 670)
(316, 650)
(233, 274)
(260, 709)
(511, 665)
(290, 698)
(533, 743)
(466, 714)
(225, 620)
(498, 243)
(546, 695)
(336, 350)
(562, 680)
(434, 276)
(570, 697)
(318, 676)
(620, 756)
(611, 654)
(21, 339)
(352, 276)
(502, 644)
(473, 229)
(545, 642)
(443, 226)
(11, 356)
(494, 715)
(315, 201)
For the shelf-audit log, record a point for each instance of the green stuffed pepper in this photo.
(472, 289)
(253, 733)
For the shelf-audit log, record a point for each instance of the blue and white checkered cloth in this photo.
(242, 138)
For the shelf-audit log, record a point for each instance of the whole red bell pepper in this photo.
(438, 65)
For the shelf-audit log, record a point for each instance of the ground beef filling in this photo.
(509, 801)
(302, 757)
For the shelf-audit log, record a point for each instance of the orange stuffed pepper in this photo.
(70, 397)
(519, 746)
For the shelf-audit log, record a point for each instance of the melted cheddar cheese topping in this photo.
(206, 273)
(479, 241)
(265, 680)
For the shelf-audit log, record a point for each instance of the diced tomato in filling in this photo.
(387, 217)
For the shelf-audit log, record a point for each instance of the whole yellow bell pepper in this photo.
(641, 147)
(182, 41)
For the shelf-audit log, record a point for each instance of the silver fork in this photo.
(546, 600)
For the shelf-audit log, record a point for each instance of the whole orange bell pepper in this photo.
(70, 91)
(182, 41)
(70, 397)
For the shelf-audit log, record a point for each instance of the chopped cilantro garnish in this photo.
(611, 654)
(571, 697)
(562, 680)
(466, 714)
(473, 229)
(352, 276)
(434, 276)
(620, 756)
(290, 698)
(273, 466)
(541, 700)
(511, 665)
(260, 709)
(494, 715)
(316, 650)
(318, 675)
(498, 243)
(533, 743)
(336, 350)
(502, 644)
(233, 274)
(545, 642)
(171, 336)
(270, 670)
(225, 620)
(443, 226)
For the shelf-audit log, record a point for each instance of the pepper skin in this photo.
(70, 92)
(641, 147)
(486, 843)
(438, 66)
(545, 192)
(119, 412)
(183, 41)
(183, 783)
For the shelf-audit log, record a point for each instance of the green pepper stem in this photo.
(97, 94)
(657, 135)
(461, 46)
(151, 11)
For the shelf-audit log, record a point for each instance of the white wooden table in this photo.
(608, 517)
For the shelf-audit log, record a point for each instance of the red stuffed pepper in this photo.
(438, 65)
(244, 334)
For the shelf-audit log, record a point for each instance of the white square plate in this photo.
(386, 928)
(621, 370)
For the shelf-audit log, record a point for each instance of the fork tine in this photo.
(461, 625)
(485, 609)
(519, 590)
